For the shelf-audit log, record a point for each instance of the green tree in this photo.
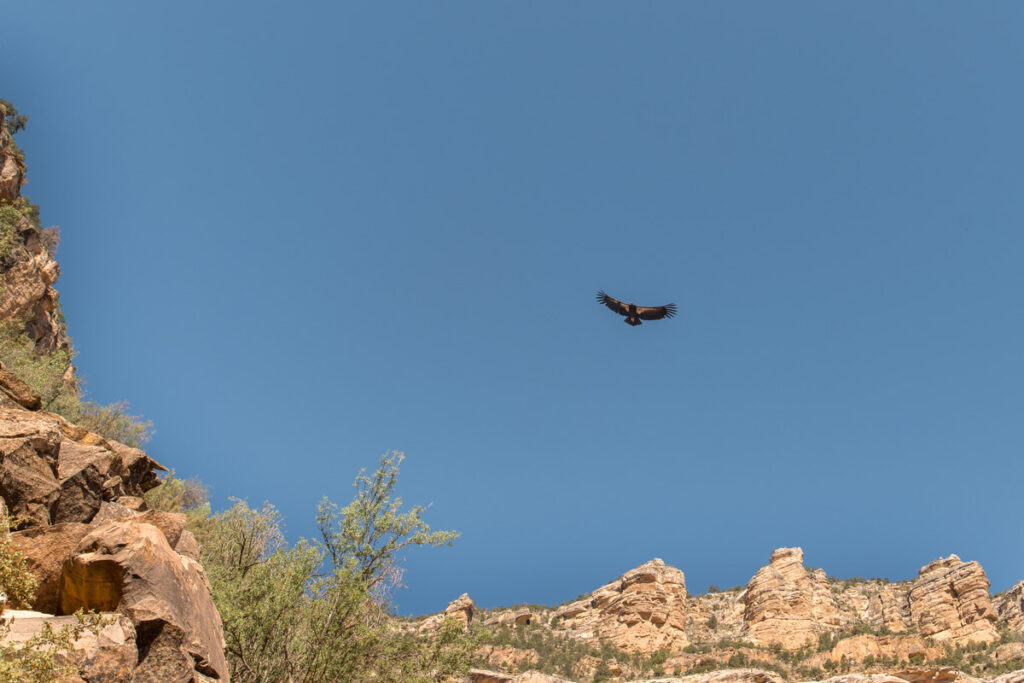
(319, 610)
(367, 534)
(15, 121)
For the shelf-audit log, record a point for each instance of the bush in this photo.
(14, 120)
(41, 658)
(48, 375)
(318, 610)
(15, 577)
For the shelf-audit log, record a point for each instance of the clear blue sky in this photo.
(296, 235)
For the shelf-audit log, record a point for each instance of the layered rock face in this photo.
(1010, 608)
(949, 601)
(644, 611)
(786, 605)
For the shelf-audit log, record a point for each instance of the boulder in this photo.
(18, 391)
(52, 471)
(461, 608)
(29, 445)
(45, 549)
(129, 566)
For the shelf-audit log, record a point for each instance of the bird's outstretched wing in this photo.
(655, 312)
(613, 304)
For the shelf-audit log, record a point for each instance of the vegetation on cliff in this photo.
(49, 371)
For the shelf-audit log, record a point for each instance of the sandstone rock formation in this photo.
(1010, 608)
(461, 608)
(949, 601)
(643, 611)
(52, 471)
(45, 549)
(130, 566)
(90, 543)
(784, 604)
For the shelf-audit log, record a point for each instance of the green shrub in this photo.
(47, 374)
(15, 577)
(318, 610)
(14, 120)
(40, 659)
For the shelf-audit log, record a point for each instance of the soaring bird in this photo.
(634, 314)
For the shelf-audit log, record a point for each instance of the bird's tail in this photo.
(633, 321)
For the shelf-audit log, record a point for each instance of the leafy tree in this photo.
(366, 535)
(15, 121)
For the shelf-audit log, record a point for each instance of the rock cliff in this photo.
(787, 617)
(643, 611)
(28, 267)
(76, 498)
(949, 601)
(786, 605)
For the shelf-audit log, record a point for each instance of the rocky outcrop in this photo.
(45, 549)
(461, 608)
(643, 611)
(52, 471)
(130, 566)
(27, 267)
(786, 605)
(92, 545)
(17, 391)
(949, 601)
(1010, 608)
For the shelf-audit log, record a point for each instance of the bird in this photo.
(634, 314)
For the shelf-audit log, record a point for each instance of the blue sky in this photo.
(297, 236)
